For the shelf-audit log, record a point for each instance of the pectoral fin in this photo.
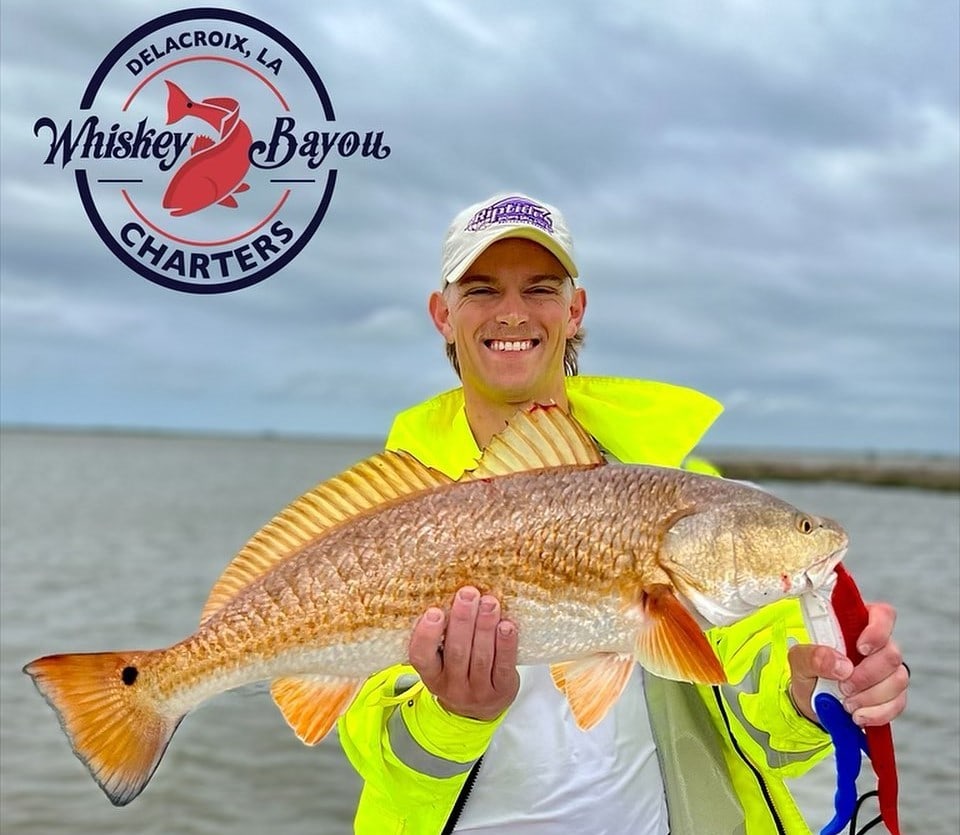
(312, 704)
(593, 684)
(229, 201)
(671, 644)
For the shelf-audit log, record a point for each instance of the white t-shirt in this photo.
(542, 775)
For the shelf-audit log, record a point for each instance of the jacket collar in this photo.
(637, 421)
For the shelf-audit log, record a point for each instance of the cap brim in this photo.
(530, 233)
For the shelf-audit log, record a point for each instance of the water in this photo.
(112, 542)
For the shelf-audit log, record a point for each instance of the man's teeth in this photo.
(522, 345)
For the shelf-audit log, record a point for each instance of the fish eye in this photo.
(805, 524)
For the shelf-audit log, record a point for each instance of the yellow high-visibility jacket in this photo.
(724, 751)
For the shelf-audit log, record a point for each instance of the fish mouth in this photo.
(818, 573)
(511, 345)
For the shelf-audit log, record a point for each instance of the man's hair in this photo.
(571, 351)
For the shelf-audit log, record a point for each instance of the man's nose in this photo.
(512, 318)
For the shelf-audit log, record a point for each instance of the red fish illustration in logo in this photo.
(216, 167)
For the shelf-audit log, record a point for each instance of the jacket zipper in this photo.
(765, 791)
(461, 801)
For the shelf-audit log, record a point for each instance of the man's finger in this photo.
(809, 662)
(880, 714)
(888, 690)
(484, 641)
(458, 642)
(883, 665)
(505, 677)
(425, 643)
(879, 628)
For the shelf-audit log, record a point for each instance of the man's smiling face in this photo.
(509, 317)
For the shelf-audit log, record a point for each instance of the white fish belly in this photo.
(562, 629)
(548, 631)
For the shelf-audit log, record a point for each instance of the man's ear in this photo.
(440, 314)
(578, 305)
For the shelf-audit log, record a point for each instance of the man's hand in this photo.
(875, 691)
(468, 662)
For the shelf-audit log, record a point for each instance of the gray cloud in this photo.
(765, 203)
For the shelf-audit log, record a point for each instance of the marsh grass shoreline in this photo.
(940, 472)
(886, 470)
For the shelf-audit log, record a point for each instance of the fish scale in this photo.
(542, 551)
(591, 561)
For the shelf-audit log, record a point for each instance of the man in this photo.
(669, 756)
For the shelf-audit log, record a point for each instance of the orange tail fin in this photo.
(116, 727)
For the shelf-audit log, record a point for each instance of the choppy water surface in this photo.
(112, 542)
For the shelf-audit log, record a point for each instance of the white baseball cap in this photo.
(505, 215)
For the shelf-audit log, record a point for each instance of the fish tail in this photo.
(115, 722)
(177, 102)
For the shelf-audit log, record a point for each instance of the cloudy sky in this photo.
(764, 198)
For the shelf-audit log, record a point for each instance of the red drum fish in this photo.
(216, 167)
(600, 565)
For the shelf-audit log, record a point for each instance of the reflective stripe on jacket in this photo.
(724, 751)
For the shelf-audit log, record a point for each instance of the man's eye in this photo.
(479, 291)
(543, 290)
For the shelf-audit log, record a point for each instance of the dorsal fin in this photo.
(201, 143)
(380, 478)
(535, 438)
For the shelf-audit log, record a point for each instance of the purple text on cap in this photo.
(512, 210)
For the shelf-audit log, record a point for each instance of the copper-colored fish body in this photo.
(599, 565)
(554, 560)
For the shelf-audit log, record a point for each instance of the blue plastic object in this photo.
(848, 741)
